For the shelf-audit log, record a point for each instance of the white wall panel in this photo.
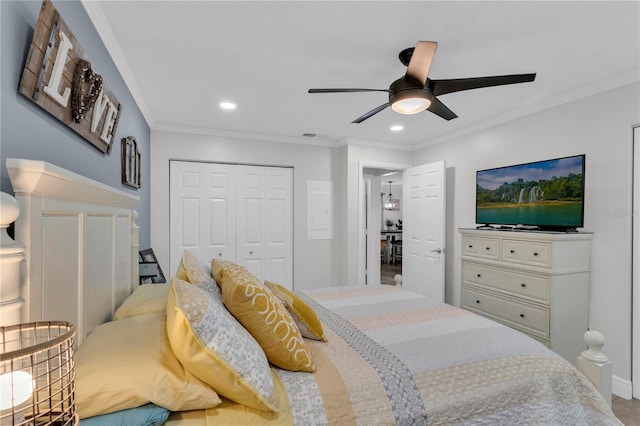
(98, 271)
(58, 294)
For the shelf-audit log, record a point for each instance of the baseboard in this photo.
(621, 387)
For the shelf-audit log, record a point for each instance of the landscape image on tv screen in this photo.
(545, 193)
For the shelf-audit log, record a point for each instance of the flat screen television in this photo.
(545, 195)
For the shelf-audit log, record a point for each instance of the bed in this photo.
(189, 353)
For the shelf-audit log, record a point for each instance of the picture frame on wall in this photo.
(130, 162)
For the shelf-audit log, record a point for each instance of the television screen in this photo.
(546, 194)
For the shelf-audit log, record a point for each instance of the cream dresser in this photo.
(535, 282)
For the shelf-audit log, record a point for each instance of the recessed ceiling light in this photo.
(227, 105)
(397, 128)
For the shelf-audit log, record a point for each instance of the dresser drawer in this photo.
(530, 319)
(487, 248)
(520, 284)
(527, 253)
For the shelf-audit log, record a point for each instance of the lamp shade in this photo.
(37, 377)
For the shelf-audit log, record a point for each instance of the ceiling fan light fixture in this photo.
(409, 101)
(411, 105)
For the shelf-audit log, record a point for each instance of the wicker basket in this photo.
(37, 377)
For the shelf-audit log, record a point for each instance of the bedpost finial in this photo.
(9, 211)
(595, 342)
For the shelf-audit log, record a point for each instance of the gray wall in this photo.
(27, 131)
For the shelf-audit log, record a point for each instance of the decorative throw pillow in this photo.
(213, 346)
(192, 270)
(127, 363)
(304, 317)
(146, 299)
(263, 315)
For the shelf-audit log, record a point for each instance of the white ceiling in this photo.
(181, 58)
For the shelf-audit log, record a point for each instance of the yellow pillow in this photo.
(193, 271)
(304, 317)
(211, 344)
(146, 299)
(263, 315)
(127, 363)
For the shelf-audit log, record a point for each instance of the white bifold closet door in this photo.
(234, 212)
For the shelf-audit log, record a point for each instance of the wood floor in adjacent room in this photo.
(627, 411)
(388, 271)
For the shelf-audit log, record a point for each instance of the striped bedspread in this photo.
(394, 357)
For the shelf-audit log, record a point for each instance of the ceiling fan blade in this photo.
(346, 90)
(440, 109)
(370, 113)
(440, 87)
(418, 68)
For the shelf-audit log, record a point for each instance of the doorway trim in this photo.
(362, 206)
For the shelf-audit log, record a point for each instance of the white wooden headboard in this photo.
(81, 245)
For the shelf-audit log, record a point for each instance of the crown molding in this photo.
(205, 131)
(99, 21)
(594, 89)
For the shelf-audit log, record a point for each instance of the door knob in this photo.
(438, 250)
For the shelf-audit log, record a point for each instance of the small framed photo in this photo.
(148, 256)
(130, 162)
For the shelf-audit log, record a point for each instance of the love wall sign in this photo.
(57, 77)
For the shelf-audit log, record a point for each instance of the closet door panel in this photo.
(279, 219)
(251, 224)
(202, 211)
(221, 196)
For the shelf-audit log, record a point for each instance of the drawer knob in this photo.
(479, 275)
(535, 253)
(523, 285)
(219, 254)
(470, 245)
(487, 248)
(521, 315)
(512, 251)
(251, 252)
(477, 301)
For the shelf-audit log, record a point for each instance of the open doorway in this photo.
(391, 227)
(423, 227)
(382, 260)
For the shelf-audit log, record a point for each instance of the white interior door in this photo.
(423, 251)
(264, 214)
(251, 219)
(202, 211)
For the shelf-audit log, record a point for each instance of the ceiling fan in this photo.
(415, 92)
